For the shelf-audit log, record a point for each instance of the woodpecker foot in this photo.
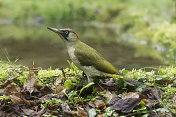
(90, 80)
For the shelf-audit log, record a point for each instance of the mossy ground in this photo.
(77, 93)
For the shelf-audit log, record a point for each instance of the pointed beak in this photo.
(58, 31)
(54, 30)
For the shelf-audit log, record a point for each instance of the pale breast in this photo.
(72, 56)
(89, 70)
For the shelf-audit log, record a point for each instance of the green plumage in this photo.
(88, 56)
(84, 57)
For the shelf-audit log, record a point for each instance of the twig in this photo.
(46, 85)
(63, 73)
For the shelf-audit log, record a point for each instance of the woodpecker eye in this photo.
(66, 32)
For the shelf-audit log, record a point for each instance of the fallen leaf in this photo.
(58, 81)
(82, 112)
(24, 110)
(174, 104)
(2, 91)
(92, 112)
(109, 95)
(152, 96)
(59, 89)
(100, 115)
(3, 114)
(174, 98)
(131, 95)
(11, 88)
(152, 93)
(165, 114)
(28, 111)
(14, 92)
(39, 113)
(15, 99)
(108, 82)
(90, 103)
(46, 97)
(150, 103)
(66, 109)
(125, 105)
(100, 104)
(31, 79)
(133, 82)
(114, 100)
(18, 98)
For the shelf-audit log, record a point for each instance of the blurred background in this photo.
(129, 33)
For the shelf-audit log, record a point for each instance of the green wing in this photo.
(89, 56)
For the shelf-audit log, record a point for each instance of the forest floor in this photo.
(65, 92)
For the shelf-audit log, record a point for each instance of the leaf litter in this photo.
(60, 98)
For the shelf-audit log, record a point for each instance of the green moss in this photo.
(158, 77)
(8, 70)
(49, 73)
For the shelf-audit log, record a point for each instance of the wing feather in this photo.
(88, 56)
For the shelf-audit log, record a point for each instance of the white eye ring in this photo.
(66, 32)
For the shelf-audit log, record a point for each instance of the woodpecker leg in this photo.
(90, 79)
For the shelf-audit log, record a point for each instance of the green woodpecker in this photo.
(85, 57)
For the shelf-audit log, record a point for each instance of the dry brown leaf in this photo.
(28, 111)
(58, 81)
(1, 91)
(109, 82)
(100, 115)
(18, 98)
(66, 110)
(114, 100)
(30, 82)
(109, 95)
(131, 95)
(11, 88)
(100, 104)
(40, 113)
(82, 112)
(149, 103)
(125, 105)
(31, 79)
(14, 92)
(3, 114)
(153, 93)
(174, 105)
(90, 103)
(15, 99)
(59, 88)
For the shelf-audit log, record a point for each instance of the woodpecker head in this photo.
(67, 34)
